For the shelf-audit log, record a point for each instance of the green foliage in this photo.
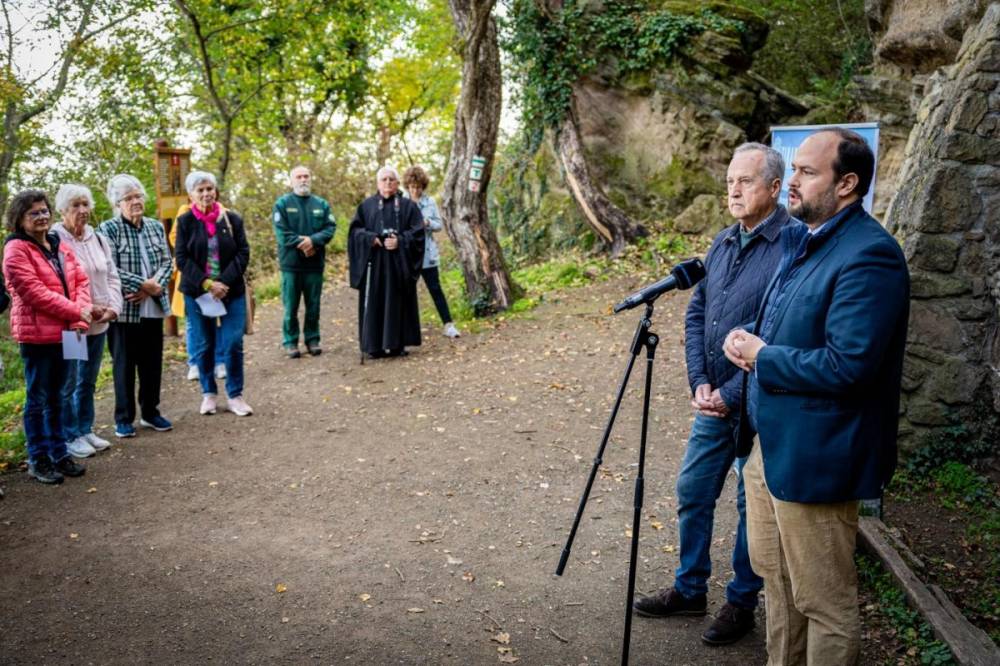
(554, 50)
(955, 444)
(909, 626)
(814, 46)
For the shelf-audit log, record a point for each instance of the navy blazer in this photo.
(829, 378)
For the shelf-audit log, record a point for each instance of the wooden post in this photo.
(170, 167)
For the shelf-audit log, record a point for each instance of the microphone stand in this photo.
(643, 339)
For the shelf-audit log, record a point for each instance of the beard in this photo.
(816, 211)
(301, 189)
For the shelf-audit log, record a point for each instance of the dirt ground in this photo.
(408, 511)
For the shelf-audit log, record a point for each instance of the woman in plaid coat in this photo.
(140, 251)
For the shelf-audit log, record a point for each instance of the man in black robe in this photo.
(386, 249)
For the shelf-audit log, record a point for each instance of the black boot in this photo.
(44, 471)
(69, 467)
(730, 625)
(669, 601)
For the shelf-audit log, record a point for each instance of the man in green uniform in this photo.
(303, 225)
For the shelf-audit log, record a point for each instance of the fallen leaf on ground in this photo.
(454, 560)
(364, 597)
(212, 484)
(668, 548)
(414, 610)
(74, 535)
(91, 490)
(280, 588)
(468, 576)
(501, 637)
(657, 525)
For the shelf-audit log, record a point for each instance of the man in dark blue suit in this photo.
(824, 358)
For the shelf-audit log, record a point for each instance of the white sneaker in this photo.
(220, 371)
(98, 443)
(239, 406)
(450, 331)
(79, 448)
(208, 404)
(193, 373)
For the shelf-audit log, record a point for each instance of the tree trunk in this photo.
(607, 219)
(384, 145)
(227, 148)
(477, 121)
(7, 155)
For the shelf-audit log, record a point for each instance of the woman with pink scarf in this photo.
(212, 255)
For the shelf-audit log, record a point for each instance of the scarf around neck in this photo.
(209, 218)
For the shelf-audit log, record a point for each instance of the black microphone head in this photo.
(688, 273)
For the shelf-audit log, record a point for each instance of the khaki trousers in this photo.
(805, 554)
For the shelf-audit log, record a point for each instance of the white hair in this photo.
(387, 169)
(119, 186)
(69, 193)
(774, 164)
(196, 178)
(295, 168)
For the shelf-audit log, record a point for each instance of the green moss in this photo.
(679, 184)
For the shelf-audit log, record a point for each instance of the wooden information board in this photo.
(171, 166)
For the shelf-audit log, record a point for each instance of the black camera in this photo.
(385, 233)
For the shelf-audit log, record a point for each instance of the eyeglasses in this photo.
(39, 214)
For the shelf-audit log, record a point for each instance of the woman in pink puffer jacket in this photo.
(50, 294)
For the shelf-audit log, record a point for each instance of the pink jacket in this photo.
(40, 311)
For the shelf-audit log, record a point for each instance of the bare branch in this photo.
(208, 68)
(232, 26)
(10, 38)
(69, 55)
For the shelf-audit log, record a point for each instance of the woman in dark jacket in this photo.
(212, 256)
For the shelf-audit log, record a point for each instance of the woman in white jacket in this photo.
(415, 181)
(75, 204)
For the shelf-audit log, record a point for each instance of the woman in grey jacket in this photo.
(415, 181)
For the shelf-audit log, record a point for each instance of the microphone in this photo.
(683, 276)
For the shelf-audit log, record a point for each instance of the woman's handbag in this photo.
(250, 300)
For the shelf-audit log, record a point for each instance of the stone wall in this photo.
(947, 212)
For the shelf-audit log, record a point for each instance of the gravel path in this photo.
(408, 511)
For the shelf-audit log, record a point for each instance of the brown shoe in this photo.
(730, 625)
(669, 601)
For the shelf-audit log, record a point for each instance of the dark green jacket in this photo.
(296, 216)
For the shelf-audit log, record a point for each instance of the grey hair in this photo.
(387, 169)
(69, 193)
(121, 185)
(774, 164)
(196, 178)
(296, 168)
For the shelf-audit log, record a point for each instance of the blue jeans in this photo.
(44, 375)
(78, 390)
(218, 337)
(710, 453)
(191, 343)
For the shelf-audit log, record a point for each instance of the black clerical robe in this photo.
(392, 319)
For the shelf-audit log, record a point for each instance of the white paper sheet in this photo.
(210, 306)
(74, 346)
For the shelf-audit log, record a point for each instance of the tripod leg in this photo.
(650, 344)
(637, 344)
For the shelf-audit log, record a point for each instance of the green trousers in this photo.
(306, 286)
